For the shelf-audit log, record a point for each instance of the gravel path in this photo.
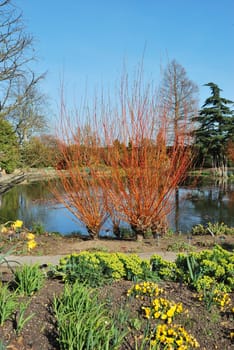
(54, 259)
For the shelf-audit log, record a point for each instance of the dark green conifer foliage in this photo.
(215, 129)
(9, 153)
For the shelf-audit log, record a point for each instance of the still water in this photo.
(199, 204)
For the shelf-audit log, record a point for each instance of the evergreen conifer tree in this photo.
(215, 129)
(9, 150)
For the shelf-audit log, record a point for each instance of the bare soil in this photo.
(211, 329)
(54, 244)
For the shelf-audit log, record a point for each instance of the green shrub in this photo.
(216, 229)
(83, 267)
(165, 270)
(217, 264)
(97, 268)
(135, 267)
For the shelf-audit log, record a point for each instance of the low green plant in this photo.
(28, 279)
(38, 228)
(20, 318)
(126, 233)
(214, 229)
(194, 269)
(162, 269)
(83, 322)
(83, 267)
(97, 268)
(135, 267)
(207, 296)
(180, 247)
(8, 304)
(216, 265)
(169, 233)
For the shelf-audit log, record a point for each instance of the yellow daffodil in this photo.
(31, 244)
(171, 311)
(30, 236)
(147, 312)
(17, 224)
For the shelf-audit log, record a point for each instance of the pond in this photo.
(200, 204)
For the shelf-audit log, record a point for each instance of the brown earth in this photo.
(211, 328)
(53, 244)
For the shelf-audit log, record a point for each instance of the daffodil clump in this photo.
(163, 309)
(17, 225)
(172, 337)
(216, 297)
(146, 288)
(11, 225)
(31, 243)
(165, 334)
(222, 300)
(159, 308)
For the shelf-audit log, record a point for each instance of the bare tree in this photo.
(16, 52)
(28, 116)
(179, 99)
(178, 95)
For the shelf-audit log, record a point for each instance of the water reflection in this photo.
(33, 203)
(203, 204)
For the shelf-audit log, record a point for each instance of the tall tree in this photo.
(16, 52)
(40, 151)
(178, 99)
(28, 117)
(216, 129)
(178, 95)
(9, 153)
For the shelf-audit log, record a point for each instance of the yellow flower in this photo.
(171, 311)
(17, 224)
(179, 308)
(147, 312)
(157, 314)
(169, 340)
(30, 236)
(31, 244)
(179, 342)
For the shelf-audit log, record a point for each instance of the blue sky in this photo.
(86, 42)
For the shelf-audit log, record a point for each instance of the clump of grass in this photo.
(28, 279)
(83, 323)
(8, 304)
